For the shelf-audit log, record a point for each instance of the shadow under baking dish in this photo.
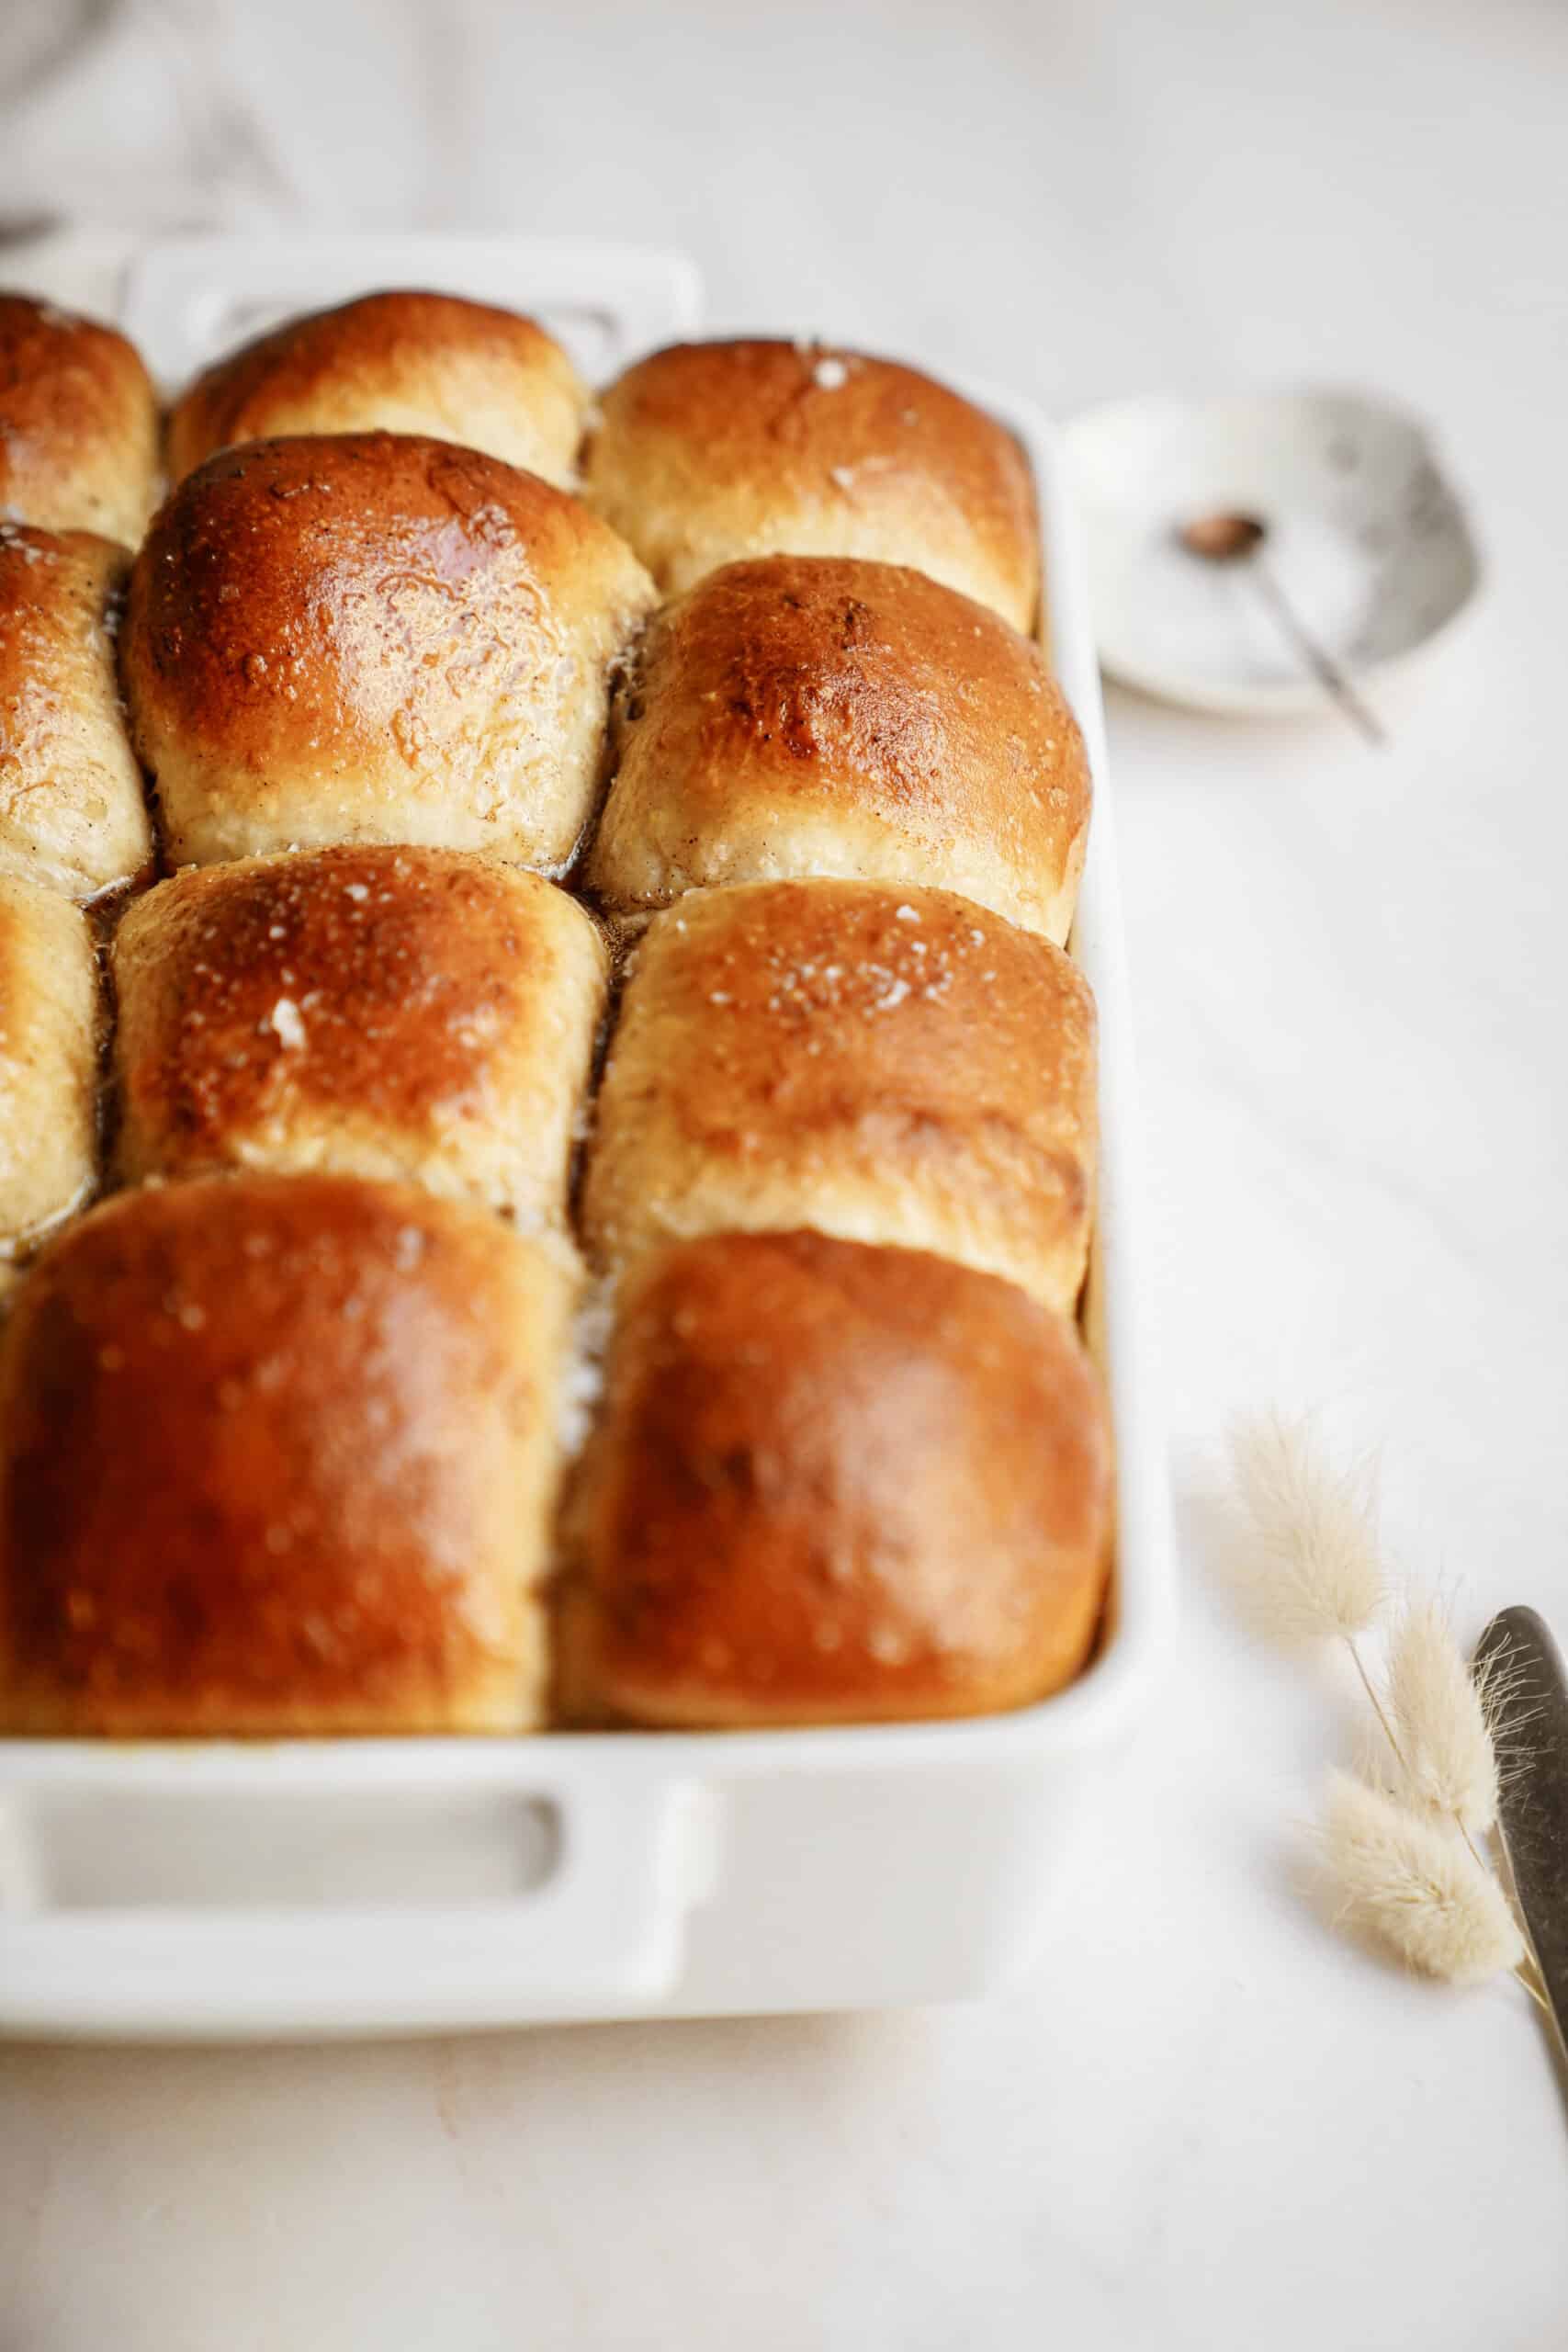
(223, 1890)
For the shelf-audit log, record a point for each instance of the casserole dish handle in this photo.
(604, 1873)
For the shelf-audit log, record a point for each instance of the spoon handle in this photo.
(1324, 668)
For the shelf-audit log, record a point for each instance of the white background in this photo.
(1205, 2122)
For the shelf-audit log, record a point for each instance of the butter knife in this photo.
(1532, 1809)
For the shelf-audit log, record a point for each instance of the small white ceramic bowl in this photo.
(1366, 540)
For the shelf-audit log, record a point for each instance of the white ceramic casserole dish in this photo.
(216, 1889)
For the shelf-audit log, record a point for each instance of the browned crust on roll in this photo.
(372, 1010)
(402, 362)
(71, 812)
(49, 1061)
(277, 1455)
(711, 451)
(833, 1484)
(78, 423)
(374, 637)
(892, 1066)
(819, 715)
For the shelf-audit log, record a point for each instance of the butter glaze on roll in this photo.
(78, 423)
(376, 1012)
(832, 1484)
(800, 715)
(890, 1067)
(277, 1454)
(375, 638)
(72, 811)
(398, 362)
(49, 1059)
(711, 451)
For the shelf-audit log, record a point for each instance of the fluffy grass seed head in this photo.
(1449, 1762)
(1414, 1885)
(1312, 1572)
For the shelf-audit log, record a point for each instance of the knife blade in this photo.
(1532, 1807)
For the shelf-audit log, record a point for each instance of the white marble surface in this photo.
(1205, 2124)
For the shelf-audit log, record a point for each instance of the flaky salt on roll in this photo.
(707, 452)
(73, 815)
(888, 1067)
(832, 1484)
(49, 1061)
(376, 1012)
(375, 638)
(402, 362)
(277, 1454)
(78, 423)
(808, 715)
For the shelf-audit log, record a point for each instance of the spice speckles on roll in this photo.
(707, 452)
(808, 715)
(375, 638)
(888, 1067)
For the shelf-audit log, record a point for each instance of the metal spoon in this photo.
(1230, 538)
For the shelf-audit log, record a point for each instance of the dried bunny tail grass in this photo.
(1448, 1762)
(1499, 1681)
(1414, 1885)
(1313, 1573)
(1375, 1761)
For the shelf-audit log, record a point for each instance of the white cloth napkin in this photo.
(143, 115)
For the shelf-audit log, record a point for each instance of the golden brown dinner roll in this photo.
(49, 1058)
(372, 638)
(832, 1484)
(72, 811)
(895, 1068)
(78, 423)
(403, 362)
(276, 1454)
(709, 451)
(378, 1011)
(809, 715)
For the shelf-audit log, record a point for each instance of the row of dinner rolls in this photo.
(888, 1067)
(699, 454)
(849, 1461)
(281, 1453)
(352, 636)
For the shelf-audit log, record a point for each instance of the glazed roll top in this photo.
(49, 1059)
(278, 1454)
(375, 638)
(888, 1067)
(411, 1014)
(710, 451)
(803, 714)
(832, 1484)
(78, 423)
(402, 362)
(72, 810)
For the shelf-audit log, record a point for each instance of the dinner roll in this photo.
(72, 811)
(809, 715)
(897, 1068)
(78, 423)
(712, 450)
(375, 638)
(832, 1484)
(405, 361)
(276, 1454)
(378, 1011)
(49, 1059)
